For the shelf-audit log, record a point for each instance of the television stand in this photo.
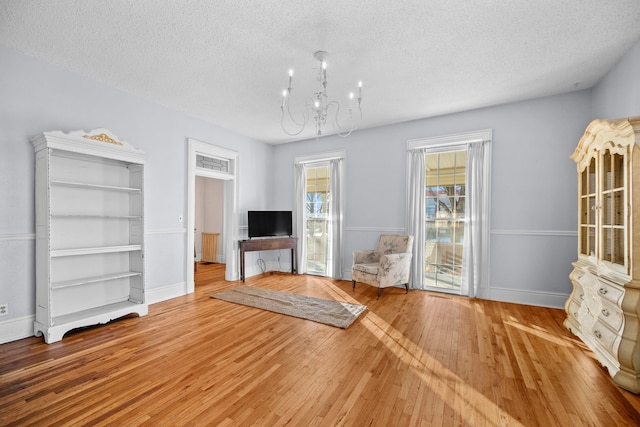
(269, 245)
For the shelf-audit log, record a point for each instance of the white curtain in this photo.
(476, 226)
(299, 217)
(415, 215)
(334, 258)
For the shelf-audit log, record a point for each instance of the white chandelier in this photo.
(319, 106)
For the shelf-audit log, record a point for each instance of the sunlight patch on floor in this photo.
(441, 380)
(541, 333)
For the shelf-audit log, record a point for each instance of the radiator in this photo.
(210, 247)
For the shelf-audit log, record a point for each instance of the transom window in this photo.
(212, 163)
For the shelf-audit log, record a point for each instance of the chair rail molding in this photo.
(25, 236)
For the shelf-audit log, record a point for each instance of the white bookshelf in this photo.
(89, 231)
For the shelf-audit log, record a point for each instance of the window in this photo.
(317, 218)
(448, 211)
(445, 187)
(318, 212)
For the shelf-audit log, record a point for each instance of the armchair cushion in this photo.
(365, 257)
(370, 268)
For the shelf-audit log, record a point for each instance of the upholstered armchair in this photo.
(389, 265)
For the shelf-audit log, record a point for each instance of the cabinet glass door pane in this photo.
(607, 172)
(612, 209)
(590, 178)
(587, 209)
(612, 171)
(613, 245)
(591, 200)
(607, 209)
(587, 240)
(618, 245)
(618, 168)
(618, 208)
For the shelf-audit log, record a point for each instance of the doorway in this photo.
(210, 161)
(209, 224)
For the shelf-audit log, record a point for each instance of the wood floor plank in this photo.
(411, 359)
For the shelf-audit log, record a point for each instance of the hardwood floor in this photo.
(418, 359)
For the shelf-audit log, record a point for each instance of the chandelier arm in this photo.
(353, 126)
(285, 130)
(305, 115)
(338, 127)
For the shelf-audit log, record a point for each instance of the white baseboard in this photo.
(164, 293)
(16, 329)
(22, 327)
(537, 298)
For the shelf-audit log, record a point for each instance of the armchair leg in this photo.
(353, 284)
(379, 292)
(406, 285)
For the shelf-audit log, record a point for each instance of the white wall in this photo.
(533, 188)
(618, 94)
(38, 97)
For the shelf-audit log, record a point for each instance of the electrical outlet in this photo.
(4, 309)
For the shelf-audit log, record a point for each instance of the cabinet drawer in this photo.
(605, 336)
(609, 291)
(573, 308)
(611, 315)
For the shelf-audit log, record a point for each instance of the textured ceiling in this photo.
(226, 61)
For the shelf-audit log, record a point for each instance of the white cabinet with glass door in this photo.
(604, 305)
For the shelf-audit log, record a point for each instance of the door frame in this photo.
(231, 207)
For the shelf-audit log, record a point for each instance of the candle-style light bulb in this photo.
(284, 97)
(290, 77)
(359, 90)
(350, 100)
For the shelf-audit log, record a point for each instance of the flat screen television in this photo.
(269, 223)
